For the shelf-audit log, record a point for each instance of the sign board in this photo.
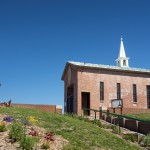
(116, 103)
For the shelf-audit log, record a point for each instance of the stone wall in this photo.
(133, 125)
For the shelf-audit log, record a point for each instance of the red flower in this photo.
(49, 136)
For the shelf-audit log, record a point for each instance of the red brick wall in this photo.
(88, 80)
(46, 108)
(73, 83)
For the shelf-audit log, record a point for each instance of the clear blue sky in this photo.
(38, 37)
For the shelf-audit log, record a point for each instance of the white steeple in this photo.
(122, 60)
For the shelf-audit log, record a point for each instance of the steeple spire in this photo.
(122, 60)
(122, 51)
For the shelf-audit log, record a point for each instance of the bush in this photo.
(27, 142)
(2, 127)
(131, 137)
(16, 131)
(146, 140)
(116, 129)
(106, 126)
(45, 146)
(25, 121)
(97, 122)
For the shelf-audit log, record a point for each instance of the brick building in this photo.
(94, 86)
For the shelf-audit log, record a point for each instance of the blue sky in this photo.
(38, 37)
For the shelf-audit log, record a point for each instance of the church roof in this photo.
(106, 67)
(100, 66)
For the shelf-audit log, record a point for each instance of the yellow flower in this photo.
(32, 119)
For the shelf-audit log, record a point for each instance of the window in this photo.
(134, 93)
(148, 96)
(124, 62)
(118, 63)
(101, 91)
(118, 91)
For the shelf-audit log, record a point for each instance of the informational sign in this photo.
(117, 103)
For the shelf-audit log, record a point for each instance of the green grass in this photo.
(80, 134)
(145, 116)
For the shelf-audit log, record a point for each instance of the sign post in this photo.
(117, 103)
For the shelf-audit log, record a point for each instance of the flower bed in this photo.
(31, 134)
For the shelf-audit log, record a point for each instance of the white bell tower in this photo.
(122, 60)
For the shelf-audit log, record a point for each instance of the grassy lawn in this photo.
(80, 134)
(145, 117)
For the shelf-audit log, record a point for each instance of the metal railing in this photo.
(112, 114)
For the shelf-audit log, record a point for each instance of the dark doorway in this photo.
(70, 99)
(86, 102)
(148, 96)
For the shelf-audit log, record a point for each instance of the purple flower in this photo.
(8, 119)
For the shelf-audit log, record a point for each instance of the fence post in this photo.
(107, 112)
(137, 125)
(95, 115)
(100, 113)
(119, 124)
(82, 112)
(124, 121)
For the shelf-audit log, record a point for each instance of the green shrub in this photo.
(16, 131)
(2, 127)
(25, 121)
(131, 137)
(106, 126)
(146, 140)
(97, 122)
(45, 145)
(27, 142)
(116, 129)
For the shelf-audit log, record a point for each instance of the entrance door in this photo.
(148, 96)
(70, 99)
(86, 102)
(70, 104)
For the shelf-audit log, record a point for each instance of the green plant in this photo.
(116, 129)
(16, 131)
(25, 121)
(27, 142)
(106, 126)
(130, 137)
(32, 119)
(146, 140)
(45, 145)
(2, 127)
(97, 122)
